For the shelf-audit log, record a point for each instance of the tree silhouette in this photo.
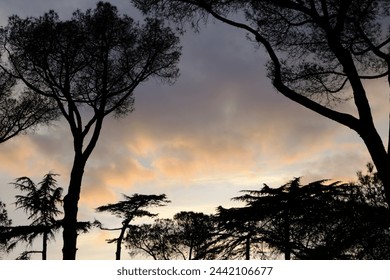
(196, 232)
(320, 53)
(319, 221)
(41, 203)
(129, 209)
(188, 236)
(239, 233)
(159, 240)
(89, 66)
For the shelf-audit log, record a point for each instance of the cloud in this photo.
(100, 182)
(21, 157)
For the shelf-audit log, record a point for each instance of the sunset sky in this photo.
(219, 129)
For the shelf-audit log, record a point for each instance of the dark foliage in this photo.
(240, 234)
(196, 235)
(159, 240)
(41, 204)
(188, 236)
(319, 221)
(129, 209)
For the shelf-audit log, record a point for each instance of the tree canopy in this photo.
(130, 208)
(41, 202)
(158, 240)
(188, 236)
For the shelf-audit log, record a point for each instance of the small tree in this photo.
(89, 66)
(159, 240)
(41, 203)
(188, 236)
(196, 234)
(129, 209)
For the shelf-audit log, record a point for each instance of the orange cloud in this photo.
(100, 182)
(20, 157)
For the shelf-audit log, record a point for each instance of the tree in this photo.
(319, 221)
(320, 53)
(89, 66)
(239, 233)
(129, 209)
(188, 236)
(196, 233)
(41, 203)
(275, 205)
(159, 240)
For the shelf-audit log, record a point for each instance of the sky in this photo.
(219, 129)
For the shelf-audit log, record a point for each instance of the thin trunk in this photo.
(248, 248)
(44, 246)
(71, 208)
(191, 249)
(119, 241)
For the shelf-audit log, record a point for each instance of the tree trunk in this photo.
(119, 241)
(248, 248)
(76, 176)
(44, 246)
(379, 156)
(71, 208)
(191, 249)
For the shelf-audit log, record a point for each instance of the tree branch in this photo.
(342, 118)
